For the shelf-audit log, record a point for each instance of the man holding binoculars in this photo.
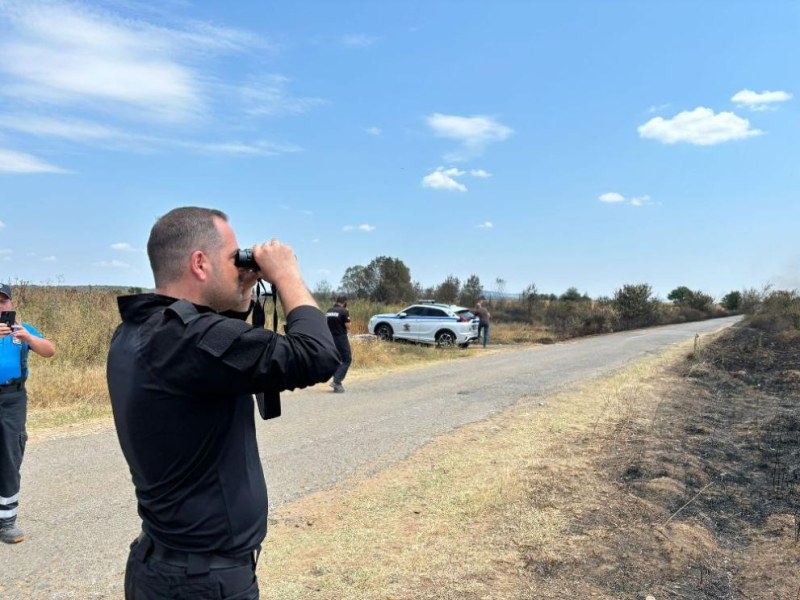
(182, 369)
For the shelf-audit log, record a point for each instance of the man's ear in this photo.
(199, 265)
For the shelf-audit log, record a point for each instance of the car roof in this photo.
(453, 307)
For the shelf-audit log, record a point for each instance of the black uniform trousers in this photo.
(13, 412)
(156, 573)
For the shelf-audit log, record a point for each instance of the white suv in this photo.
(445, 325)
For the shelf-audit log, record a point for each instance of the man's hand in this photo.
(41, 346)
(5, 330)
(278, 265)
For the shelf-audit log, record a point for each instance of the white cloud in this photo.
(2, 224)
(700, 127)
(358, 40)
(611, 197)
(5, 251)
(18, 162)
(123, 246)
(63, 52)
(112, 264)
(444, 179)
(760, 100)
(473, 133)
(374, 130)
(486, 225)
(46, 126)
(49, 259)
(365, 227)
(479, 173)
(640, 200)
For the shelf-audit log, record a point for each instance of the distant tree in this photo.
(500, 286)
(732, 301)
(529, 297)
(448, 290)
(358, 282)
(572, 295)
(696, 299)
(471, 291)
(635, 305)
(393, 280)
(323, 291)
(134, 290)
(680, 295)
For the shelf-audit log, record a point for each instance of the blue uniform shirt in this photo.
(13, 354)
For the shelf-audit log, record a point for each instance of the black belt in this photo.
(8, 388)
(195, 561)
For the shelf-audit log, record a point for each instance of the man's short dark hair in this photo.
(341, 299)
(176, 235)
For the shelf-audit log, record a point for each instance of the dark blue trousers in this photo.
(13, 437)
(343, 346)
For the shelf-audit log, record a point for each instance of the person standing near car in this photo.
(339, 324)
(182, 370)
(16, 339)
(483, 322)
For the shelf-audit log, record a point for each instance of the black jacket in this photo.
(181, 379)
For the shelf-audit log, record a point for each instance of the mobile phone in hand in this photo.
(9, 317)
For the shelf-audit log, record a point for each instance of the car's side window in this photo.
(414, 311)
(435, 312)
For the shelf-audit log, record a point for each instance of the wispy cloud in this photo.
(49, 259)
(640, 200)
(112, 264)
(759, 101)
(90, 75)
(473, 133)
(657, 108)
(19, 162)
(358, 40)
(367, 228)
(59, 52)
(374, 130)
(479, 173)
(5, 251)
(700, 127)
(2, 224)
(270, 97)
(486, 225)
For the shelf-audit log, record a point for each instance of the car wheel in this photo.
(384, 332)
(445, 339)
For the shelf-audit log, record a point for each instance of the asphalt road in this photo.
(77, 502)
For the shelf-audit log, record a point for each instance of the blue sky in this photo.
(586, 144)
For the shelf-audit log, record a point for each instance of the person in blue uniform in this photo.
(339, 323)
(16, 340)
(182, 370)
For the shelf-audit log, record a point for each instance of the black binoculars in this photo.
(244, 259)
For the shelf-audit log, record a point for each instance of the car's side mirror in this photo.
(402, 315)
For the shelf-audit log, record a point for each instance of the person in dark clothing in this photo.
(483, 325)
(16, 341)
(339, 323)
(182, 368)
